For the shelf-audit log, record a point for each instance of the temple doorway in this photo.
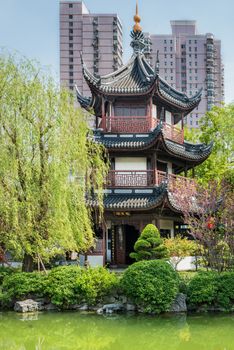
(131, 236)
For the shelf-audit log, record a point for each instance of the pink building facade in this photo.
(97, 36)
(188, 62)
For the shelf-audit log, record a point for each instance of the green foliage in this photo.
(178, 248)
(149, 245)
(63, 286)
(21, 285)
(152, 285)
(47, 164)
(212, 289)
(74, 285)
(6, 271)
(216, 126)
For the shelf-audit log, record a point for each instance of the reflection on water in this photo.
(76, 331)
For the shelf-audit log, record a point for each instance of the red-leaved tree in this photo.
(209, 214)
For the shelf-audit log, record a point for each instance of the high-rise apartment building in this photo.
(188, 62)
(97, 36)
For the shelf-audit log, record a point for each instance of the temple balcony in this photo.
(141, 124)
(144, 178)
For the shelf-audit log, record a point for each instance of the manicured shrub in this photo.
(202, 289)
(149, 245)
(212, 289)
(73, 285)
(22, 285)
(152, 285)
(225, 290)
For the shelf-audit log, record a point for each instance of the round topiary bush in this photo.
(151, 285)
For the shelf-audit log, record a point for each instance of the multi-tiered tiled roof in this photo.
(135, 78)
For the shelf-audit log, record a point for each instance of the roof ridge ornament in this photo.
(139, 42)
(137, 19)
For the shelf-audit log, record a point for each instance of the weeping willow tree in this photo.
(48, 164)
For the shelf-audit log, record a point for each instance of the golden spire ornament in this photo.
(137, 19)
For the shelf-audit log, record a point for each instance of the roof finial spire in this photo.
(137, 19)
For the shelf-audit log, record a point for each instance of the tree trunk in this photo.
(27, 263)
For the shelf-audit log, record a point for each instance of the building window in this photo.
(70, 52)
(70, 38)
(195, 41)
(195, 55)
(171, 70)
(195, 63)
(171, 63)
(190, 49)
(191, 122)
(165, 48)
(70, 24)
(165, 63)
(182, 46)
(165, 41)
(190, 70)
(195, 78)
(191, 86)
(171, 56)
(190, 63)
(165, 77)
(195, 70)
(171, 41)
(71, 66)
(190, 55)
(171, 48)
(70, 74)
(70, 81)
(70, 31)
(195, 49)
(70, 16)
(165, 70)
(171, 78)
(70, 6)
(189, 42)
(165, 56)
(71, 60)
(71, 46)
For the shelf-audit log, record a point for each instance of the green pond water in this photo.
(72, 330)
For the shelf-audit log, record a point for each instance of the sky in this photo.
(31, 27)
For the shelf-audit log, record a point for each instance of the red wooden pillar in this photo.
(150, 113)
(103, 115)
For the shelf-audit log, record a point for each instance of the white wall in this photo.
(168, 117)
(154, 111)
(130, 163)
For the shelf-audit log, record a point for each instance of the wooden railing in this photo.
(145, 178)
(172, 179)
(142, 124)
(130, 124)
(130, 178)
(171, 132)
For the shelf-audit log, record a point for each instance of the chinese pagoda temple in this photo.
(140, 121)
